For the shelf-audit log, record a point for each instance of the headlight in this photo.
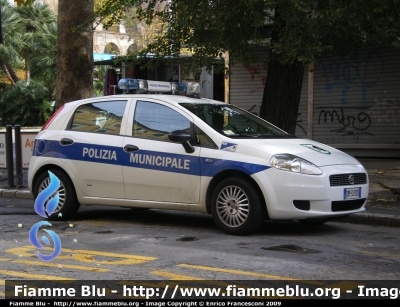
(291, 163)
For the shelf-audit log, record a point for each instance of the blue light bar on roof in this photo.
(128, 84)
(135, 86)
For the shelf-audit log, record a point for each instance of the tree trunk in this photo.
(27, 70)
(281, 99)
(10, 73)
(74, 51)
(7, 73)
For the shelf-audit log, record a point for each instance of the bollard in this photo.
(9, 156)
(18, 155)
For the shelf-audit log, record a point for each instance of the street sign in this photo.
(27, 142)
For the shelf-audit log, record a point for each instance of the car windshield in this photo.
(233, 122)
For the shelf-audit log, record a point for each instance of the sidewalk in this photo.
(383, 204)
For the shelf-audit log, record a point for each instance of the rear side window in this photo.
(99, 117)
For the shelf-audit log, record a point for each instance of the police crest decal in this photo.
(45, 205)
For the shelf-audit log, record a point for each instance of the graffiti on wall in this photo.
(350, 124)
(357, 78)
(355, 110)
(352, 72)
(385, 110)
(299, 124)
(257, 73)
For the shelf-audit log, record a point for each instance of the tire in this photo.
(316, 221)
(236, 207)
(68, 204)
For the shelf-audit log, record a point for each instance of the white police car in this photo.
(192, 154)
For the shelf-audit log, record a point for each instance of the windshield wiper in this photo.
(250, 135)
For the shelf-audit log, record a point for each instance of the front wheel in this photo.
(67, 204)
(237, 207)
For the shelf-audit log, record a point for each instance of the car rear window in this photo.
(99, 117)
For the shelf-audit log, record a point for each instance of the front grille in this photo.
(347, 205)
(302, 204)
(343, 179)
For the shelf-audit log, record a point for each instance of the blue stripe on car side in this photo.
(161, 161)
(217, 165)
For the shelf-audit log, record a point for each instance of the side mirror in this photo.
(180, 136)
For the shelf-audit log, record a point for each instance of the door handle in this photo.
(130, 148)
(66, 142)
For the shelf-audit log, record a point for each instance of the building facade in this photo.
(104, 41)
(349, 102)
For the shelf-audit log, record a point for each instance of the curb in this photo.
(365, 218)
(372, 219)
(16, 193)
(392, 185)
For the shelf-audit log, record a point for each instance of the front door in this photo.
(156, 169)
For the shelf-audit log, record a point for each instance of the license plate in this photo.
(352, 193)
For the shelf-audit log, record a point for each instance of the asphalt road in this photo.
(122, 244)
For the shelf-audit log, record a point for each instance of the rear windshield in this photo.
(233, 122)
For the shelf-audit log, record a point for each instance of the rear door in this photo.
(91, 147)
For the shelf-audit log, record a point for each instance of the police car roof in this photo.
(170, 98)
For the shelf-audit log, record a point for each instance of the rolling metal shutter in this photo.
(357, 100)
(247, 82)
(302, 118)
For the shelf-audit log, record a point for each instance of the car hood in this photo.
(312, 151)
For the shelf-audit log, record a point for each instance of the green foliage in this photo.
(141, 32)
(24, 2)
(12, 41)
(111, 12)
(99, 74)
(23, 104)
(30, 40)
(296, 32)
(44, 56)
(310, 29)
(307, 29)
(37, 20)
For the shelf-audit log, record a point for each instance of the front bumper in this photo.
(291, 196)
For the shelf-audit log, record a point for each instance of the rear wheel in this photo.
(67, 204)
(236, 207)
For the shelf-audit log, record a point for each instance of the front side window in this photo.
(155, 121)
(233, 122)
(203, 140)
(99, 117)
